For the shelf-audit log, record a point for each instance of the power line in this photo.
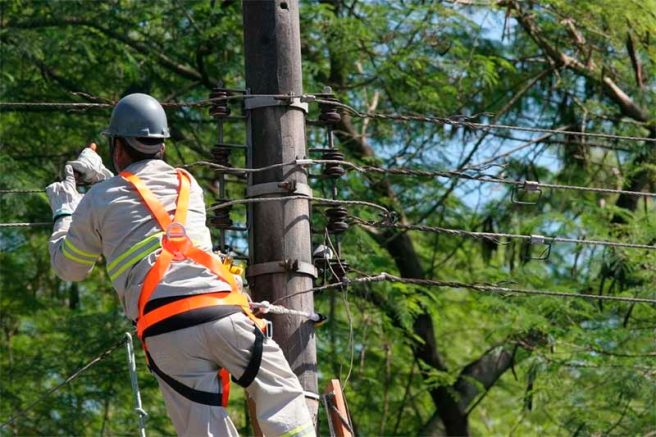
(483, 288)
(366, 169)
(316, 200)
(455, 120)
(25, 225)
(401, 171)
(8, 106)
(51, 106)
(23, 191)
(495, 236)
(462, 120)
(72, 377)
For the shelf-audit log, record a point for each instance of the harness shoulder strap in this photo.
(155, 207)
(157, 272)
(182, 204)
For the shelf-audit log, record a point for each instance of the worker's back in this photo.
(113, 220)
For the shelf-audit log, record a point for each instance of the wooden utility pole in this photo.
(280, 243)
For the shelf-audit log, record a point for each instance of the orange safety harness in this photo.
(177, 246)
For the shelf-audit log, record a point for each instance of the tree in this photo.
(432, 360)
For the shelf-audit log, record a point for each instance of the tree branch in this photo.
(563, 60)
(178, 68)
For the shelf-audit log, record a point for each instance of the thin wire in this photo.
(367, 169)
(109, 105)
(77, 373)
(494, 236)
(87, 106)
(23, 191)
(316, 200)
(463, 120)
(490, 289)
(456, 120)
(346, 306)
(25, 225)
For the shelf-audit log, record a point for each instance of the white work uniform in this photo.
(112, 220)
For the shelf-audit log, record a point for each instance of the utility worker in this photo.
(194, 323)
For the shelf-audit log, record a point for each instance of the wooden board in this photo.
(340, 423)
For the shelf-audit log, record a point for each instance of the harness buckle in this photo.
(269, 329)
(176, 240)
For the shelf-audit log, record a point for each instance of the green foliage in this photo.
(578, 367)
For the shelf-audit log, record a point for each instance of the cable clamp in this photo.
(304, 161)
(284, 187)
(531, 186)
(255, 101)
(287, 265)
(526, 187)
(310, 395)
(537, 240)
(262, 307)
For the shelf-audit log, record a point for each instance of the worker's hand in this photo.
(90, 166)
(62, 196)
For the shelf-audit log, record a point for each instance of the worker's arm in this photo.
(74, 244)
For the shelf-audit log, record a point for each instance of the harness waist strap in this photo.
(188, 304)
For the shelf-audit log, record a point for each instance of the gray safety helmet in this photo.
(139, 116)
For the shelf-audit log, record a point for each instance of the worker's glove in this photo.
(90, 166)
(62, 196)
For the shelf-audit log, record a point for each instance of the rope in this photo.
(463, 120)
(537, 239)
(77, 373)
(25, 225)
(490, 289)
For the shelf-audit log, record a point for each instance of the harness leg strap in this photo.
(198, 396)
(254, 364)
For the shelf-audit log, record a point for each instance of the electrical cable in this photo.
(463, 120)
(25, 225)
(316, 200)
(483, 288)
(71, 378)
(23, 191)
(368, 169)
(494, 236)
(454, 120)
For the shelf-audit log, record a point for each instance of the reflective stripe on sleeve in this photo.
(80, 252)
(133, 255)
(299, 431)
(79, 256)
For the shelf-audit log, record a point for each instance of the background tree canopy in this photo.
(415, 360)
